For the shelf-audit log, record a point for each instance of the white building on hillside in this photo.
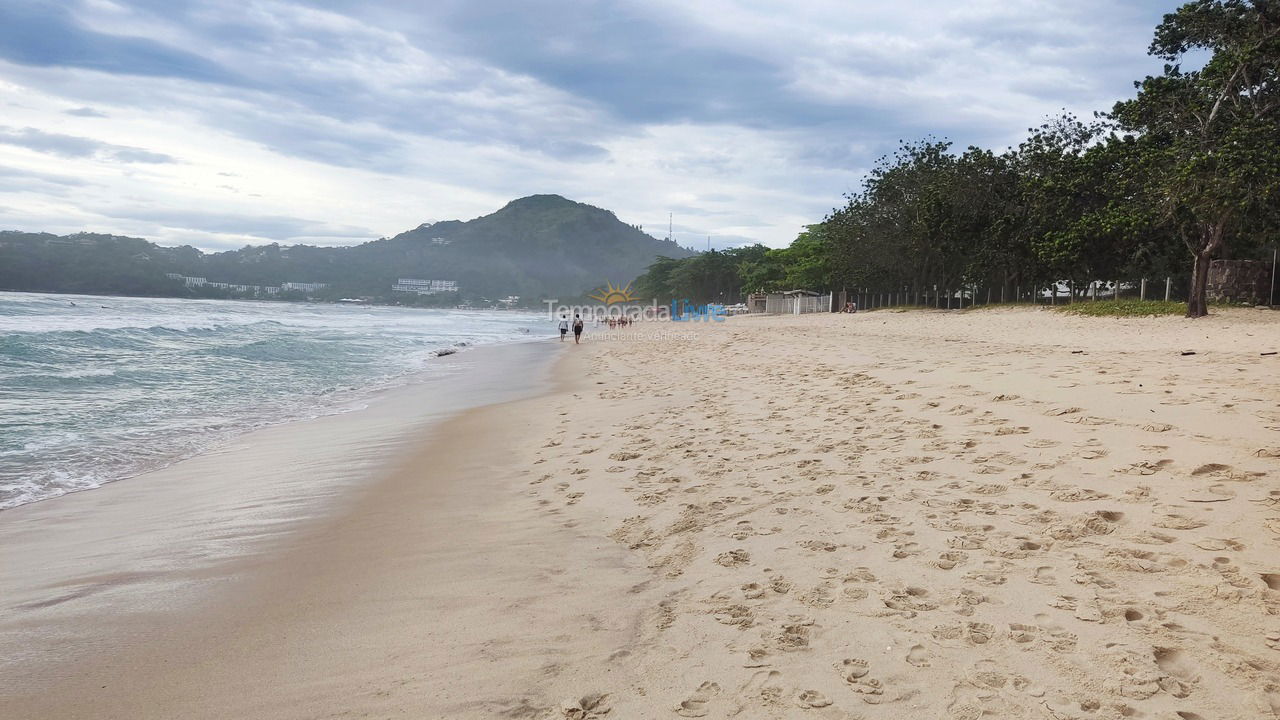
(303, 287)
(425, 287)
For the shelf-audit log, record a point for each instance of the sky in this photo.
(221, 124)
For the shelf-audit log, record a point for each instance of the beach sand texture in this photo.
(996, 513)
(1007, 514)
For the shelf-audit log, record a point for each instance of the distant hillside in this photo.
(538, 246)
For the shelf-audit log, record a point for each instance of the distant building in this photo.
(194, 282)
(424, 287)
(303, 287)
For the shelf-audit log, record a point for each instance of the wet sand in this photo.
(239, 585)
(1003, 513)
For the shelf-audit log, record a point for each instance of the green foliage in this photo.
(711, 277)
(1210, 137)
(1190, 163)
(1124, 308)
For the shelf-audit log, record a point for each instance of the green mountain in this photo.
(538, 246)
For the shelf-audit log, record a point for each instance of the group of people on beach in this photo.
(577, 325)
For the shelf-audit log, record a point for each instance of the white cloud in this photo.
(746, 118)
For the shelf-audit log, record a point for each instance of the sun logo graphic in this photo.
(610, 295)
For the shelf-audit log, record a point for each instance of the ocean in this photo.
(97, 389)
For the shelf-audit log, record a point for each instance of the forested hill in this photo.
(541, 244)
(538, 246)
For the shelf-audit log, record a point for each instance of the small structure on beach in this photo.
(796, 302)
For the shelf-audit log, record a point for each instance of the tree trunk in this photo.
(1210, 241)
(1196, 305)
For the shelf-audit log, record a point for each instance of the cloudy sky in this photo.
(336, 121)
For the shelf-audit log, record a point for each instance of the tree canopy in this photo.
(1185, 171)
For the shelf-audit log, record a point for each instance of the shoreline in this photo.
(158, 545)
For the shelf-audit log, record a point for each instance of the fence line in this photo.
(1064, 292)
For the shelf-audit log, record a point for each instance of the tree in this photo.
(1211, 137)
(655, 282)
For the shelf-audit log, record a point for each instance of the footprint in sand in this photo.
(696, 705)
(1216, 544)
(1176, 521)
(852, 669)
(871, 690)
(918, 656)
(588, 707)
(794, 636)
(812, 699)
(1076, 494)
(964, 711)
(733, 558)
(1210, 469)
(1144, 467)
(1211, 494)
(963, 634)
(1020, 633)
(905, 550)
(1179, 671)
(1271, 699)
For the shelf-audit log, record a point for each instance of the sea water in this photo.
(96, 389)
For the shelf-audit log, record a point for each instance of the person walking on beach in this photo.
(564, 326)
(577, 329)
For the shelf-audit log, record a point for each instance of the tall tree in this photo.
(1211, 136)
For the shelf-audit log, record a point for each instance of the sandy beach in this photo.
(1004, 513)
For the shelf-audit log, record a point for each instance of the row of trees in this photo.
(1187, 170)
